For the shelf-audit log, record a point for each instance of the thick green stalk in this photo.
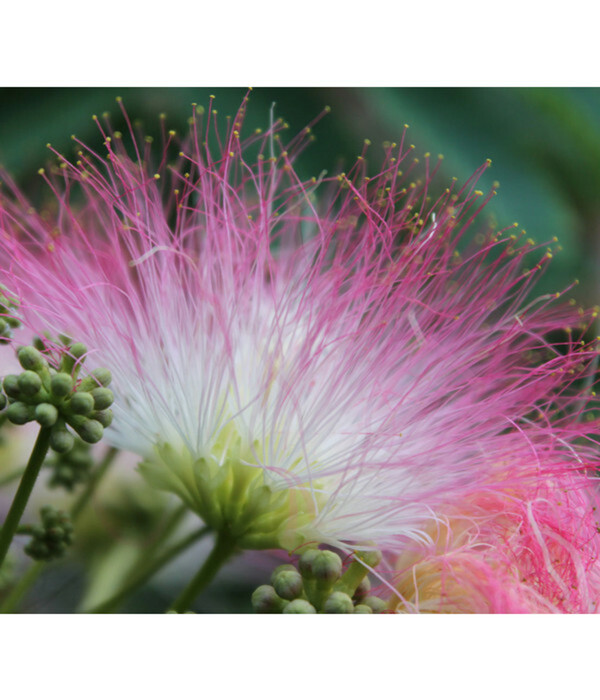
(146, 573)
(23, 493)
(223, 549)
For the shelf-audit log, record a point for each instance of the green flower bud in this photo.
(29, 383)
(89, 430)
(299, 606)
(38, 343)
(61, 441)
(30, 358)
(61, 384)
(46, 414)
(338, 603)
(105, 418)
(82, 403)
(103, 398)
(71, 356)
(266, 600)
(370, 558)
(13, 322)
(3, 326)
(3, 402)
(306, 560)
(102, 376)
(326, 566)
(77, 350)
(376, 604)
(287, 584)
(11, 386)
(363, 609)
(20, 413)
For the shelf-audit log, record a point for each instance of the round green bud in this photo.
(13, 322)
(3, 326)
(288, 584)
(82, 403)
(338, 603)
(55, 534)
(282, 567)
(299, 606)
(77, 350)
(266, 600)
(11, 386)
(46, 414)
(326, 566)
(306, 560)
(89, 430)
(103, 376)
(29, 383)
(105, 418)
(370, 558)
(38, 343)
(30, 358)
(3, 402)
(61, 441)
(19, 413)
(362, 609)
(376, 604)
(61, 384)
(103, 398)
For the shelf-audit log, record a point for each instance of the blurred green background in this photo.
(545, 148)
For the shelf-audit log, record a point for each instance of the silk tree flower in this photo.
(331, 361)
(534, 552)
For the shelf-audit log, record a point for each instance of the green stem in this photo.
(147, 572)
(24, 491)
(95, 477)
(223, 549)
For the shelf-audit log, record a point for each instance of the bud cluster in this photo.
(71, 468)
(50, 539)
(51, 394)
(320, 585)
(7, 321)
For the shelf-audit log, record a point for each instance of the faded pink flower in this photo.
(340, 361)
(515, 552)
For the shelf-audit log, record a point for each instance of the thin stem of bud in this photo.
(24, 490)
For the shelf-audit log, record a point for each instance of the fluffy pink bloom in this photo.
(353, 345)
(535, 551)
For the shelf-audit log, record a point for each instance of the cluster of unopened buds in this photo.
(51, 394)
(8, 322)
(50, 539)
(69, 469)
(320, 585)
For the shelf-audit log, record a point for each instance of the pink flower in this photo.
(339, 361)
(513, 552)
